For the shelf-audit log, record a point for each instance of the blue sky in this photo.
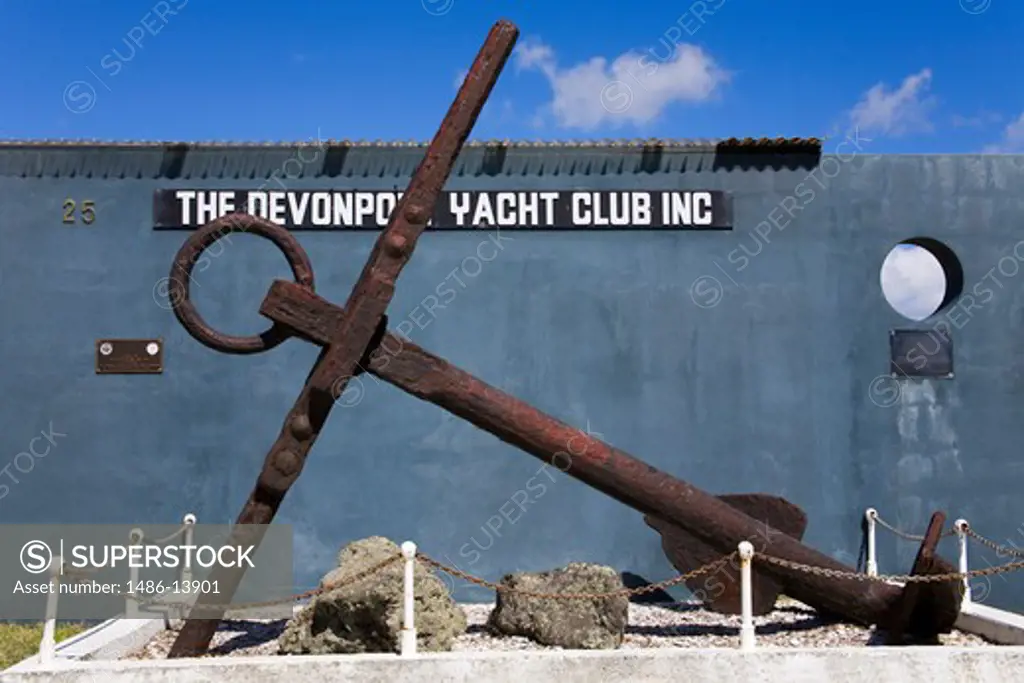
(918, 75)
(925, 76)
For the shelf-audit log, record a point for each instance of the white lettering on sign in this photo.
(618, 209)
(202, 207)
(503, 209)
(687, 208)
(371, 209)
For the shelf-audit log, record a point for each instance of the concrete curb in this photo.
(837, 665)
(91, 657)
(109, 640)
(106, 641)
(996, 625)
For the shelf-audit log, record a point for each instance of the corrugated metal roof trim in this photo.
(265, 162)
(621, 143)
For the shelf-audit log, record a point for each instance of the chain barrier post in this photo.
(746, 597)
(408, 644)
(871, 516)
(188, 524)
(48, 643)
(961, 532)
(131, 603)
(189, 521)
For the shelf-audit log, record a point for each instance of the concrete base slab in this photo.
(112, 639)
(996, 625)
(838, 665)
(108, 640)
(91, 657)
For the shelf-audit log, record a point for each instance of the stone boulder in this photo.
(579, 624)
(366, 616)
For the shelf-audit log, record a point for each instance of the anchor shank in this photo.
(607, 469)
(281, 467)
(372, 293)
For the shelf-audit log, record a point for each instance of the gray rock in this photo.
(579, 624)
(367, 616)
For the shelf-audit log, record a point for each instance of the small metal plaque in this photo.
(920, 353)
(129, 356)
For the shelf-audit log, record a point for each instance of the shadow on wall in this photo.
(767, 154)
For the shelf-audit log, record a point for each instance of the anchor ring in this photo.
(181, 277)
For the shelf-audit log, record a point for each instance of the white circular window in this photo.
(919, 277)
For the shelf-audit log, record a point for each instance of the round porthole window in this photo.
(920, 277)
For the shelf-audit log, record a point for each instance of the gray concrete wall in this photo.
(770, 389)
(842, 665)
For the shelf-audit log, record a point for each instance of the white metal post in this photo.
(408, 644)
(961, 531)
(871, 514)
(131, 604)
(48, 643)
(189, 521)
(746, 597)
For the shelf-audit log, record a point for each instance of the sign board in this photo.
(920, 353)
(129, 356)
(527, 210)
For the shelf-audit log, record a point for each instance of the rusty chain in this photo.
(709, 568)
(968, 531)
(429, 562)
(166, 539)
(341, 583)
(1000, 549)
(907, 536)
(718, 564)
(623, 592)
(883, 578)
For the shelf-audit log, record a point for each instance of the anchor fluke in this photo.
(720, 592)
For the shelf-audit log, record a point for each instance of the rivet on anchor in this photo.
(396, 245)
(301, 428)
(287, 463)
(416, 214)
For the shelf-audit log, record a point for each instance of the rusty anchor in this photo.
(694, 525)
(364, 313)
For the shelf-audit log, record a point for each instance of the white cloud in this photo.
(1012, 140)
(913, 281)
(979, 120)
(460, 77)
(634, 88)
(896, 112)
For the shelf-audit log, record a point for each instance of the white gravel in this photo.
(650, 626)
